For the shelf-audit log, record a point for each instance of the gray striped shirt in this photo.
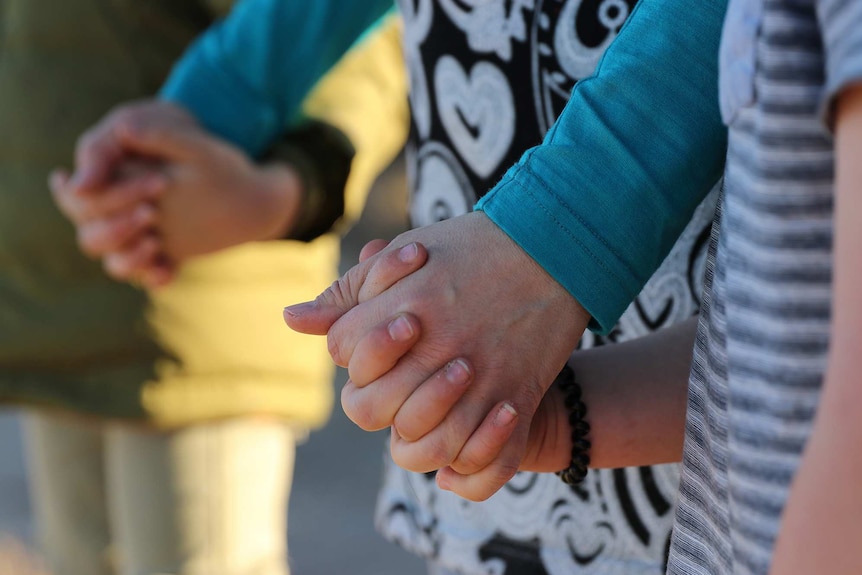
(761, 347)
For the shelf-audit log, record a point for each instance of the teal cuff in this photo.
(602, 283)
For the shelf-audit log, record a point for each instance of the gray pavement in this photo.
(337, 470)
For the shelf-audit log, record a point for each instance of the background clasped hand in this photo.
(479, 333)
(152, 189)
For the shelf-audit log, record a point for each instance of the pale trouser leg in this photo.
(64, 460)
(435, 568)
(207, 500)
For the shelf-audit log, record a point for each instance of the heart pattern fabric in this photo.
(488, 79)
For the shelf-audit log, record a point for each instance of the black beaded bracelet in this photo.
(576, 472)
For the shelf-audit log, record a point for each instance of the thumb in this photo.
(103, 147)
(362, 282)
(168, 143)
(316, 317)
(97, 153)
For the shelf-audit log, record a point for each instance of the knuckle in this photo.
(421, 457)
(408, 427)
(492, 481)
(123, 114)
(339, 292)
(468, 462)
(503, 470)
(86, 141)
(477, 496)
(359, 411)
(88, 245)
(115, 269)
(440, 454)
(333, 344)
(532, 395)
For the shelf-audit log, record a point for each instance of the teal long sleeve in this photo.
(600, 203)
(245, 78)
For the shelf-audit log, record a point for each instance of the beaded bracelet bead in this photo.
(576, 472)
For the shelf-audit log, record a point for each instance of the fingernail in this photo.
(442, 482)
(299, 309)
(408, 253)
(400, 329)
(458, 372)
(505, 415)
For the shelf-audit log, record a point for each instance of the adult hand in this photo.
(210, 196)
(117, 227)
(214, 196)
(479, 298)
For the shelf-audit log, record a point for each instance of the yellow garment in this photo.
(213, 344)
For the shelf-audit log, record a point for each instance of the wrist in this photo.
(280, 192)
(321, 157)
(550, 435)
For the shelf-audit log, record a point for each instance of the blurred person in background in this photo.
(161, 425)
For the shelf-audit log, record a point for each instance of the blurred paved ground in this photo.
(337, 471)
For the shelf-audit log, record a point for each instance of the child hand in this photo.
(215, 197)
(116, 223)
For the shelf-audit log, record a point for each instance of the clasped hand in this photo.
(451, 336)
(152, 189)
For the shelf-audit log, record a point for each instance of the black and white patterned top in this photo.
(762, 340)
(488, 78)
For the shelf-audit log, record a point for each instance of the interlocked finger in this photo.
(380, 349)
(390, 267)
(103, 236)
(374, 406)
(429, 405)
(488, 441)
(134, 262)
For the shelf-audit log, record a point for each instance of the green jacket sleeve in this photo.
(601, 201)
(246, 77)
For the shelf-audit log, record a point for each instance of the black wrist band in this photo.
(576, 472)
(322, 156)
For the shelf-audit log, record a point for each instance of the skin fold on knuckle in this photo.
(410, 428)
(427, 454)
(86, 144)
(340, 293)
(361, 411)
(489, 481)
(89, 244)
(333, 344)
(470, 461)
(117, 269)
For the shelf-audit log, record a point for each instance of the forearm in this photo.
(635, 393)
(824, 511)
(619, 175)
